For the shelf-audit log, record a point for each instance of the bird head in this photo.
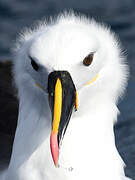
(65, 57)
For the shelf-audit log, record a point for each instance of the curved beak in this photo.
(62, 98)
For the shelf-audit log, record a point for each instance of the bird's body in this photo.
(88, 148)
(96, 158)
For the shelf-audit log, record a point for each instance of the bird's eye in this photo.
(34, 64)
(88, 59)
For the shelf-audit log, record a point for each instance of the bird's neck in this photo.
(88, 141)
(33, 127)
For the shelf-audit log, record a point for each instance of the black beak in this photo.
(62, 99)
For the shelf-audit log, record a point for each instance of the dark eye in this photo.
(88, 59)
(34, 64)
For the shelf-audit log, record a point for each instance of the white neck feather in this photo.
(34, 125)
(88, 141)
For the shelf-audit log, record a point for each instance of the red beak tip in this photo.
(54, 148)
(57, 165)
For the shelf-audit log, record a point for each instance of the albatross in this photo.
(69, 74)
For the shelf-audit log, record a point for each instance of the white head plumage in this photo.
(89, 54)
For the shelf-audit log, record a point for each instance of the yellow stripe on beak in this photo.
(57, 106)
(76, 101)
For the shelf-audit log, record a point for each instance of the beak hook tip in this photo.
(54, 148)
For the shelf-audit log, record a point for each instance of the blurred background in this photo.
(119, 14)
